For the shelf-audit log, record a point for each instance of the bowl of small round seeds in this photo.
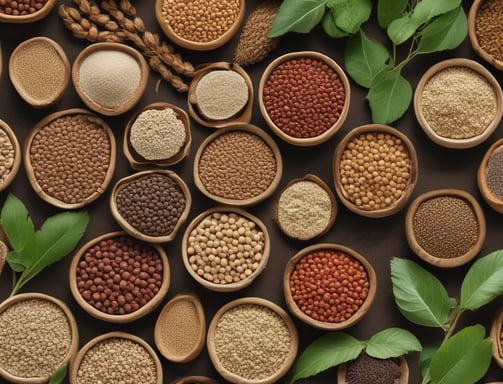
(490, 177)
(38, 334)
(16, 12)
(10, 155)
(366, 369)
(375, 170)
(158, 135)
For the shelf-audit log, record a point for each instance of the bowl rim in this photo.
(309, 141)
(31, 17)
(17, 155)
(494, 202)
(404, 371)
(232, 377)
(447, 262)
(495, 331)
(151, 305)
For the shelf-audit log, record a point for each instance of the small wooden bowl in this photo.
(197, 45)
(309, 141)
(40, 61)
(72, 350)
(38, 188)
(17, 155)
(251, 129)
(413, 172)
(126, 318)
(495, 334)
(446, 141)
(493, 201)
(104, 338)
(135, 232)
(137, 161)
(234, 286)
(164, 346)
(236, 378)
(295, 310)
(333, 208)
(421, 252)
(404, 372)
(119, 47)
(29, 18)
(243, 116)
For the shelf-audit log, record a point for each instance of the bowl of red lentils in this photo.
(11, 159)
(225, 248)
(200, 25)
(458, 103)
(118, 278)
(304, 97)
(375, 170)
(12, 11)
(329, 286)
(490, 177)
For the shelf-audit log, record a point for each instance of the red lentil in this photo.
(304, 97)
(21, 7)
(329, 286)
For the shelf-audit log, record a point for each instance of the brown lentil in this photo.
(370, 370)
(119, 275)
(237, 165)
(21, 7)
(375, 170)
(494, 173)
(304, 97)
(70, 157)
(489, 27)
(7, 156)
(445, 226)
(329, 286)
(458, 103)
(252, 341)
(225, 248)
(152, 204)
(35, 338)
(200, 20)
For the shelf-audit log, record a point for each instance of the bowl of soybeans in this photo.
(19, 12)
(489, 177)
(10, 162)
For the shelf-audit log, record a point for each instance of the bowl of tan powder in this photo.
(458, 103)
(10, 159)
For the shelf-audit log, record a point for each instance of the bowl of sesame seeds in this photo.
(490, 177)
(17, 12)
(10, 161)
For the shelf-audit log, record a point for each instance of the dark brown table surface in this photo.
(377, 239)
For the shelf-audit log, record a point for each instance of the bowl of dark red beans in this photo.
(24, 11)
(304, 97)
(118, 278)
(329, 286)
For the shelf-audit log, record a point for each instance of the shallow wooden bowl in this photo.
(295, 310)
(137, 161)
(252, 129)
(135, 232)
(39, 189)
(495, 334)
(197, 45)
(234, 286)
(30, 18)
(310, 141)
(233, 377)
(446, 141)
(243, 116)
(421, 252)
(165, 348)
(104, 338)
(400, 203)
(7, 303)
(404, 372)
(102, 46)
(493, 201)
(17, 155)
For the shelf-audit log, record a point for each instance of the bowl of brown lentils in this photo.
(17, 12)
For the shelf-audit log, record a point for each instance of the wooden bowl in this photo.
(244, 202)
(29, 18)
(495, 335)
(424, 254)
(197, 113)
(136, 233)
(117, 70)
(40, 70)
(17, 155)
(491, 199)
(395, 206)
(326, 135)
(234, 285)
(137, 161)
(44, 191)
(234, 377)
(109, 337)
(325, 325)
(404, 372)
(170, 330)
(197, 45)
(72, 350)
(301, 221)
(151, 305)
(453, 142)
(194, 380)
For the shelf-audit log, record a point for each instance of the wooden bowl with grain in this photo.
(11, 146)
(39, 14)
(403, 366)
(495, 334)
(488, 177)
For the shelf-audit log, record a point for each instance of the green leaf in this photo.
(425, 359)
(420, 296)
(402, 29)
(328, 24)
(483, 281)
(349, 15)
(325, 352)
(392, 342)
(59, 374)
(389, 96)
(426, 10)
(365, 58)
(389, 10)
(463, 358)
(16, 261)
(297, 16)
